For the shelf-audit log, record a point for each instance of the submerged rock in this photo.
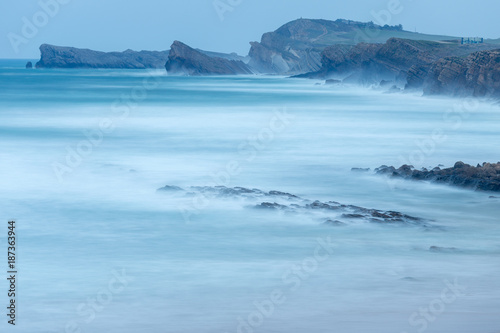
(485, 177)
(443, 249)
(331, 212)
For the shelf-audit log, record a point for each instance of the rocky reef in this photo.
(329, 213)
(184, 60)
(70, 57)
(485, 177)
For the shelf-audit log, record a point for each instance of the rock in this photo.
(268, 205)
(332, 81)
(334, 223)
(481, 178)
(331, 212)
(360, 169)
(185, 60)
(443, 249)
(170, 188)
(29, 65)
(70, 57)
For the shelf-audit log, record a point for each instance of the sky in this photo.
(216, 25)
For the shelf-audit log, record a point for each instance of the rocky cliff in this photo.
(296, 47)
(70, 57)
(184, 60)
(477, 75)
(442, 67)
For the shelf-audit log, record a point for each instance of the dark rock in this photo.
(170, 188)
(443, 249)
(360, 169)
(283, 194)
(331, 212)
(29, 65)
(332, 81)
(268, 205)
(353, 216)
(482, 178)
(334, 223)
(185, 60)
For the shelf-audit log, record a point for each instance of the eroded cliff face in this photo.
(477, 75)
(436, 67)
(371, 63)
(70, 57)
(296, 47)
(184, 60)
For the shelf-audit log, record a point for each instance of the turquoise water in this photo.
(83, 152)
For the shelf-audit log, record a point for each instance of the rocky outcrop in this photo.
(184, 60)
(477, 75)
(403, 61)
(296, 47)
(485, 177)
(70, 57)
(29, 65)
(329, 213)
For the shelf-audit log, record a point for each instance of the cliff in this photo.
(70, 57)
(477, 75)
(184, 60)
(443, 67)
(296, 47)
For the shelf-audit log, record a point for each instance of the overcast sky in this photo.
(116, 25)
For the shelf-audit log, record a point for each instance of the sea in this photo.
(83, 153)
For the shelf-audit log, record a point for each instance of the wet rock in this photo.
(283, 194)
(334, 223)
(332, 82)
(29, 65)
(268, 205)
(170, 188)
(332, 212)
(353, 216)
(360, 169)
(443, 249)
(484, 177)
